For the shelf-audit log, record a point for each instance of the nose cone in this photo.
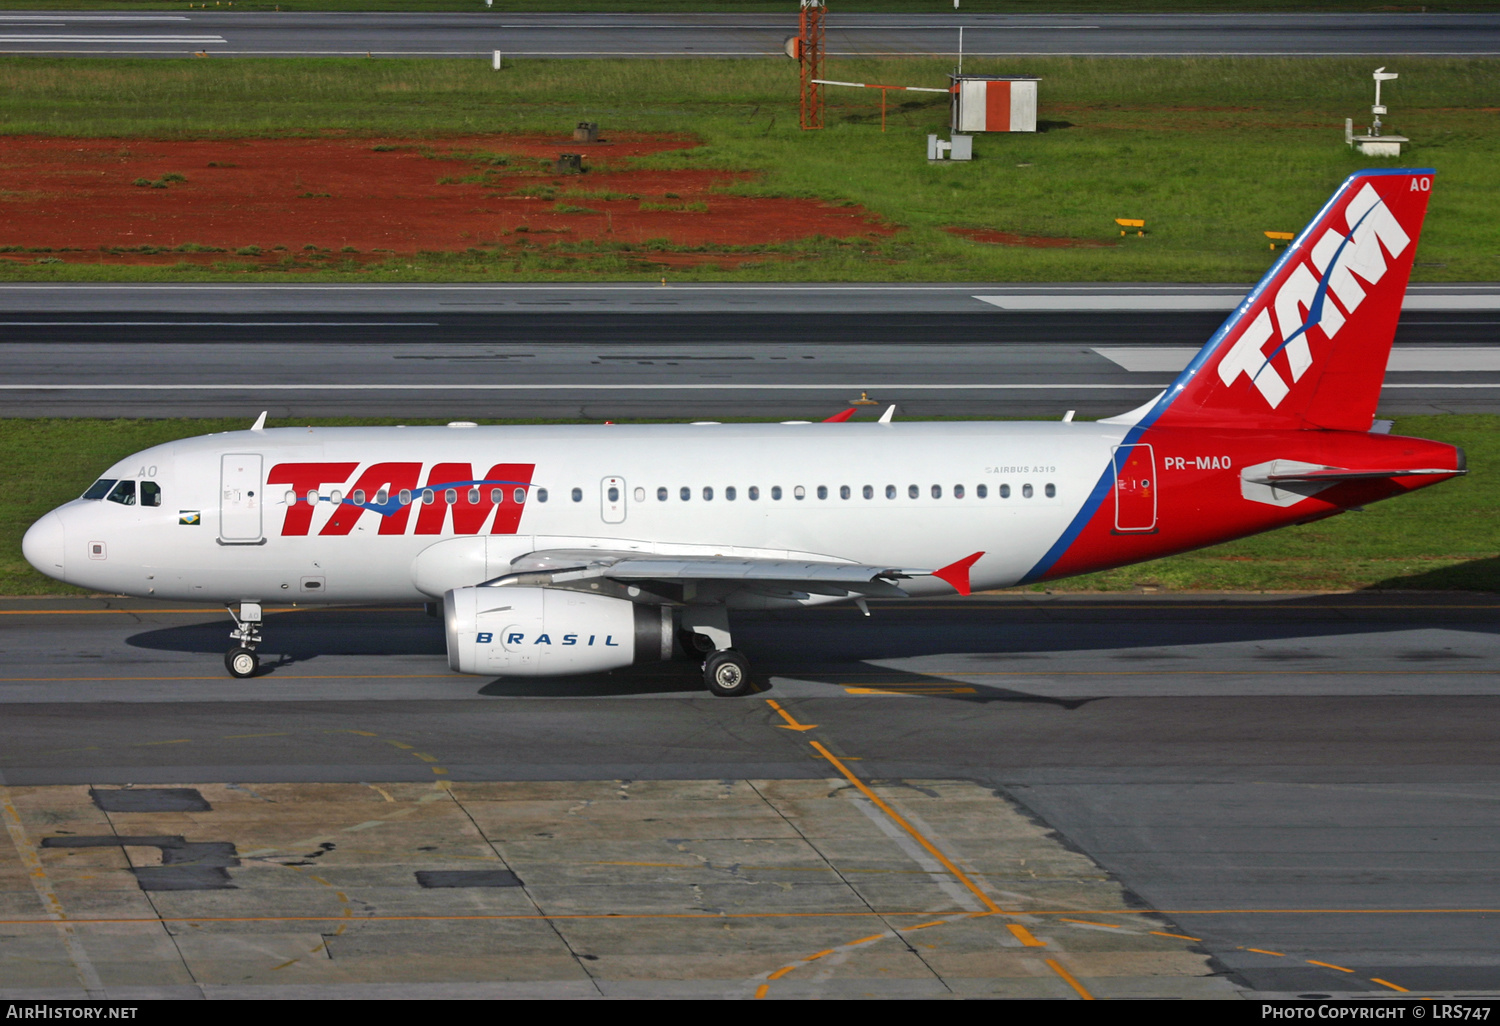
(44, 545)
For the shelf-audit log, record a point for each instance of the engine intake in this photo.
(545, 632)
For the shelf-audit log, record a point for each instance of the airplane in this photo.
(583, 548)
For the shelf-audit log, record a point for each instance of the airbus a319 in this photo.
(573, 549)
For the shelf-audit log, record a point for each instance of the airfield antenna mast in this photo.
(810, 54)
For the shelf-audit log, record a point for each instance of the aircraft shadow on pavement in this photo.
(837, 647)
(301, 635)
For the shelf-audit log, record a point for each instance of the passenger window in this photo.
(981, 491)
(497, 496)
(708, 494)
(427, 496)
(937, 491)
(1005, 491)
(577, 494)
(312, 496)
(776, 493)
(753, 492)
(613, 494)
(357, 497)
(450, 496)
(799, 493)
(661, 495)
(336, 497)
(729, 494)
(541, 495)
(518, 496)
(473, 496)
(822, 491)
(913, 492)
(100, 488)
(958, 491)
(1051, 490)
(890, 491)
(685, 494)
(640, 495)
(151, 493)
(382, 496)
(869, 492)
(404, 496)
(843, 491)
(123, 493)
(1026, 491)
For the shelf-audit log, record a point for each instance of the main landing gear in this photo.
(241, 661)
(726, 673)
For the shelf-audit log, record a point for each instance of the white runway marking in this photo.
(219, 324)
(1456, 360)
(50, 18)
(112, 39)
(486, 387)
(1222, 301)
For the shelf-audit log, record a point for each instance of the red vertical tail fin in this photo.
(1309, 345)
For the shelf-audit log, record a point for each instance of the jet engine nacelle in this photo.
(544, 632)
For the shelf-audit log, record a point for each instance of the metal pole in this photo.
(960, 48)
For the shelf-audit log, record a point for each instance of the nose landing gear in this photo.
(241, 661)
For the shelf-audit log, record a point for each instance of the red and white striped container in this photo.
(994, 103)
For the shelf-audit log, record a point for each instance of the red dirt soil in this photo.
(336, 192)
(1034, 241)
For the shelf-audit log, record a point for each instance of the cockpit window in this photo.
(150, 493)
(123, 493)
(100, 488)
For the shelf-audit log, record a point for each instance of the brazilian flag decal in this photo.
(190, 517)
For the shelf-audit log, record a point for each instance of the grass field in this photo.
(1444, 537)
(1211, 152)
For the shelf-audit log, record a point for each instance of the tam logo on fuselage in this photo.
(1336, 261)
(453, 497)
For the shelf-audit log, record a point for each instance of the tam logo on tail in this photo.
(1310, 343)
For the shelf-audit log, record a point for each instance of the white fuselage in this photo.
(1007, 489)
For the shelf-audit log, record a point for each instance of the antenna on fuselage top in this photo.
(890, 411)
(260, 422)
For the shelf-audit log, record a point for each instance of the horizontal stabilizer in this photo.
(1331, 474)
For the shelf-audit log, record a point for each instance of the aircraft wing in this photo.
(560, 567)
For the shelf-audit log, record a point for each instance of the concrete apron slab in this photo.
(700, 888)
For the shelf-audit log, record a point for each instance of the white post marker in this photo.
(497, 60)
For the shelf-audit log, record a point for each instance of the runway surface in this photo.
(1288, 778)
(624, 351)
(222, 33)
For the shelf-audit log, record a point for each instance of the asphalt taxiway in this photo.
(1303, 787)
(285, 33)
(636, 350)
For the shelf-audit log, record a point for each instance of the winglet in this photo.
(957, 574)
(260, 422)
(839, 418)
(890, 411)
